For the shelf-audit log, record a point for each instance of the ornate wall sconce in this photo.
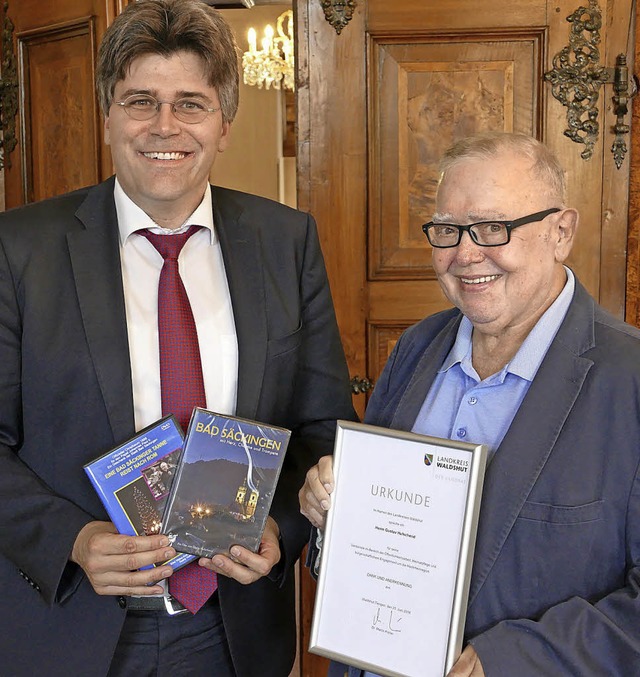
(338, 12)
(576, 79)
(8, 92)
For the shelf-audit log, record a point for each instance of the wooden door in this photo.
(380, 101)
(49, 103)
(632, 314)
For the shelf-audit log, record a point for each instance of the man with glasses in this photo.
(143, 296)
(530, 365)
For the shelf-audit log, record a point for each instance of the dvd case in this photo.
(225, 482)
(133, 480)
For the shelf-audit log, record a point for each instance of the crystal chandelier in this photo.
(273, 63)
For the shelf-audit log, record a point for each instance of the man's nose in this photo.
(467, 250)
(164, 122)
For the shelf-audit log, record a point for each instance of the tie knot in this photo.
(169, 246)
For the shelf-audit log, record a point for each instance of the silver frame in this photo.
(467, 543)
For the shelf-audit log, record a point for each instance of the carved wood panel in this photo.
(57, 123)
(427, 91)
(60, 119)
(382, 338)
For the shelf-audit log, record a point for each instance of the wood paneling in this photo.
(459, 84)
(382, 338)
(614, 214)
(332, 166)
(61, 121)
(632, 314)
(332, 160)
(444, 14)
(59, 128)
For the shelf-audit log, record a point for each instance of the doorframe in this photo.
(632, 299)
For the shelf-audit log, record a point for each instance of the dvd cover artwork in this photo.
(225, 482)
(134, 479)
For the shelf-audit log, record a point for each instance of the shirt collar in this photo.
(132, 218)
(527, 360)
(462, 346)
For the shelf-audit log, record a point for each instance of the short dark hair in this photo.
(165, 27)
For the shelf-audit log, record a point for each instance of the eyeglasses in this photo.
(144, 107)
(484, 233)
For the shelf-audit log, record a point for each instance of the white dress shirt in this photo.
(203, 275)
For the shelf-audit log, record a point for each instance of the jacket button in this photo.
(122, 602)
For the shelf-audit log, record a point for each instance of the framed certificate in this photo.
(397, 551)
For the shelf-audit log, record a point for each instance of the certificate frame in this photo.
(351, 566)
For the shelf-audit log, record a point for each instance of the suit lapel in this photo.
(528, 444)
(95, 260)
(243, 266)
(423, 376)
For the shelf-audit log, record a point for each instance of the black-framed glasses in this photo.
(483, 233)
(144, 107)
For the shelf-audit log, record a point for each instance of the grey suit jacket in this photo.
(555, 588)
(66, 397)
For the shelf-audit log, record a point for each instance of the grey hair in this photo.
(545, 165)
(165, 27)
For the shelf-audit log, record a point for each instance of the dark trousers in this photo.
(153, 644)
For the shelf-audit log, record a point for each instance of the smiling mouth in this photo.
(478, 280)
(166, 156)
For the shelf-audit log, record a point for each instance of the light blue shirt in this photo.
(460, 406)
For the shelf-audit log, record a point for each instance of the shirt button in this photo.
(473, 400)
(122, 602)
(461, 432)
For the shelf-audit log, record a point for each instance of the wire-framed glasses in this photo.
(483, 233)
(144, 107)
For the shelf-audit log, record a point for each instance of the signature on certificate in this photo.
(386, 618)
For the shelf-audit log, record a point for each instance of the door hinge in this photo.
(360, 385)
(576, 79)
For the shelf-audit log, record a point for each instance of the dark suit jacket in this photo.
(555, 588)
(66, 397)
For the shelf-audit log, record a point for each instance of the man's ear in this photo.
(565, 231)
(107, 138)
(223, 143)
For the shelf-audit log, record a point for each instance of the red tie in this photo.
(181, 385)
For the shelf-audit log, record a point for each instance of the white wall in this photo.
(252, 161)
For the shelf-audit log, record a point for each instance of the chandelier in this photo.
(273, 63)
